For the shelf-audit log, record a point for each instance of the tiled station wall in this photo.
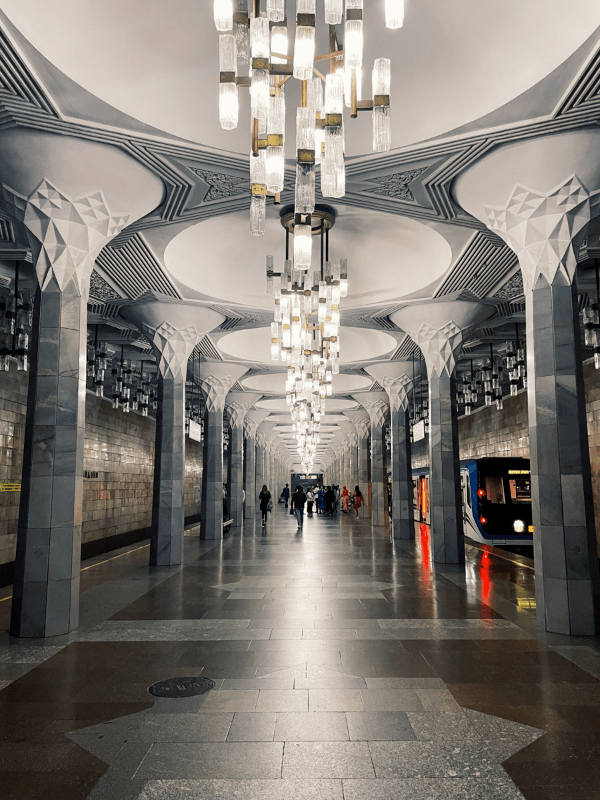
(119, 465)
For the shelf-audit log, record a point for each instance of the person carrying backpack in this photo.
(298, 501)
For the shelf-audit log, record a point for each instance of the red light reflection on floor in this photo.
(485, 575)
(425, 549)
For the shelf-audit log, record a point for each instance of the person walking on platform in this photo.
(265, 501)
(345, 498)
(298, 501)
(310, 499)
(357, 500)
(285, 493)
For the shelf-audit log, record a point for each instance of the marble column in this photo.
(173, 328)
(251, 422)
(440, 340)
(393, 376)
(69, 209)
(352, 462)
(238, 404)
(362, 424)
(544, 220)
(376, 404)
(216, 379)
(259, 481)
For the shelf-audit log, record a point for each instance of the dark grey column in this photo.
(376, 404)
(236, 473)
(401, 468)
(46, 584)
(563, 514)
(166, 536)
(545, 230)
(444, 484)
(249, 469)
(259, 463)
(211, 523)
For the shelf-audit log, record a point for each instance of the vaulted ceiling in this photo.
(143, 75)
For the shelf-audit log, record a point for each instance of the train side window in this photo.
(468, 489)
(494, 490)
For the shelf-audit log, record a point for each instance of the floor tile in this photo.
(327, 760)
(241, 761)
(274, 700)
(379, 726)
(252, 727)
(335, 700)
(311, 727)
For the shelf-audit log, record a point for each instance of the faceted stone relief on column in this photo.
(378, 410)
(236, 414)
(215, 391)
(545, 229)
(68, 233)
(398, 390)
(173, 347)
(439, 347)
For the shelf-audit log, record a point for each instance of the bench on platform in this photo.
(226, 525)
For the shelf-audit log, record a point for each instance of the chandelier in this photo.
(305, 331)
(258, 42)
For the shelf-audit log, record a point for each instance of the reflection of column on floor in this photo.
(440, 340)
(251, 422)
(173, 328)
(71, 200)
(545, 224)
(216, 379)
(394, 377)
(376, 405)
(238, 404)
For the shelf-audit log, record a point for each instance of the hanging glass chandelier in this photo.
(305, 331)
(258, 43)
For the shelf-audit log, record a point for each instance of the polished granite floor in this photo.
(346, 667)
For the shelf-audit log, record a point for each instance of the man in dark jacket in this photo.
(298, 501)
(286, 494)
(329, 500)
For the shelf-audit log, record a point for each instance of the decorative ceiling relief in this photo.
(397, 185)
(100, 289)
(221, 185)
(512, 288)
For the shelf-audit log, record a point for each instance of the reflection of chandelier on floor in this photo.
(305, 333)
(260, 43)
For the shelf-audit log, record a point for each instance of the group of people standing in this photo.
(327, 499)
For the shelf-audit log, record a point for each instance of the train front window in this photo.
(520, 490)
(494, 490)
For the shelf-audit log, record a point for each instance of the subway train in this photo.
(496, 500)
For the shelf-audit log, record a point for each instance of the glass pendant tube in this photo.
(260, 93)
(382, 122)
(223, 14)
(259, 37)
(305, 189)
(394, 14)
(275, 152)
(258, 214)
(353, 34)
(279, 43)
(228, 93)
(275, 10)
(302, 246)
(334, 10)
(334, 93)
(304, 52)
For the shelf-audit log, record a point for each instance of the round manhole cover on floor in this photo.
(181, 687)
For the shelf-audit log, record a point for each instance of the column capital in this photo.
(216, 379)
(361, 420)
(441, 337)
(253, 419)
(545, 229)
(238, 404)
(376, 404)
(395, 379)
(66, 234)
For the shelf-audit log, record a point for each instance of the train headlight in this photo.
(519, 526)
